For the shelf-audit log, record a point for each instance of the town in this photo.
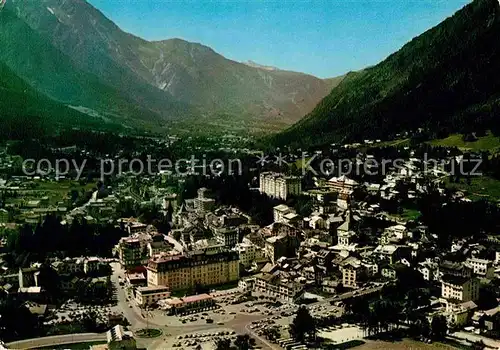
(276, 257)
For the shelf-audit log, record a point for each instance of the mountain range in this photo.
(444, 79)
(64, 62)
(70, 52)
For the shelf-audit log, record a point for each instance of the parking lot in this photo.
(71, 311)
(203, 339)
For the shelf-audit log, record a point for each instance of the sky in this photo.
(326, 38)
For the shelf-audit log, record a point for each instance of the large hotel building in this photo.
(279, 186)
(208, 267)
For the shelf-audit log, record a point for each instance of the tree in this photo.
(439, 327)
(302, 325)
(244, 342)
(125, 344)
(420, 327)
(223, 344)
(272, 334)
(16, 321)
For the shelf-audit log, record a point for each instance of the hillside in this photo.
(447, 78)
(26, 113)
(32, 57)
(174, 79)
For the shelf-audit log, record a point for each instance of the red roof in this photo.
(196, 298)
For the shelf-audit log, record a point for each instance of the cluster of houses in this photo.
(27, 282)
(337, 248)
(343, 246)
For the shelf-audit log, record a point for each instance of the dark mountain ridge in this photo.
(445, 78)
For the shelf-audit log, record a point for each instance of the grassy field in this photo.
(410, 214)
(50, 194)
(394, 143)
(481, 187)
(486, 143)
(56, 191)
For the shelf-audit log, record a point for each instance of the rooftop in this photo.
(196, 298)
(152, 289)
(281, 207)
(455, 280)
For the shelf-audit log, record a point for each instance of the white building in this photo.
(482, 267)
(203, 203)
(429, 270)
(280, 211)
(317, 222)
(152, 294)
(248, 253)
(246, 285)
(280, 186)
(397, 231)
(91, 264)
(462, 289)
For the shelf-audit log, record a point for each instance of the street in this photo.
(171, 326)
(57, 340)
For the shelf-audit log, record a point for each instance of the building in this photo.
(28, 277)
(279, 246)
(92, 265)
(234, 219)
(316, 222)
(342, 184)
(228, 236)
(69, 266)
(117, 334)
(246, 285)
(482, 267)
(325, 258)
(459, 314)
(280, 288)
(205, 267)
(145, 296)
(394, 233)
(203, 203)
(136, 279)
(353, 272)
(392, 253)
(392, 271)
(293, 219)
(371, 267)
(158, 245)
(345, 235)
(314, 273)
(277, 185)
(488, 320)
(280, 211)
(457, 288)
(330, 286)
(455, 269)
(192, 303)
(429, 270)
(133, 227)
(248, 253)
(132, 251)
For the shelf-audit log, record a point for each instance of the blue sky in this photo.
(325, 38)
